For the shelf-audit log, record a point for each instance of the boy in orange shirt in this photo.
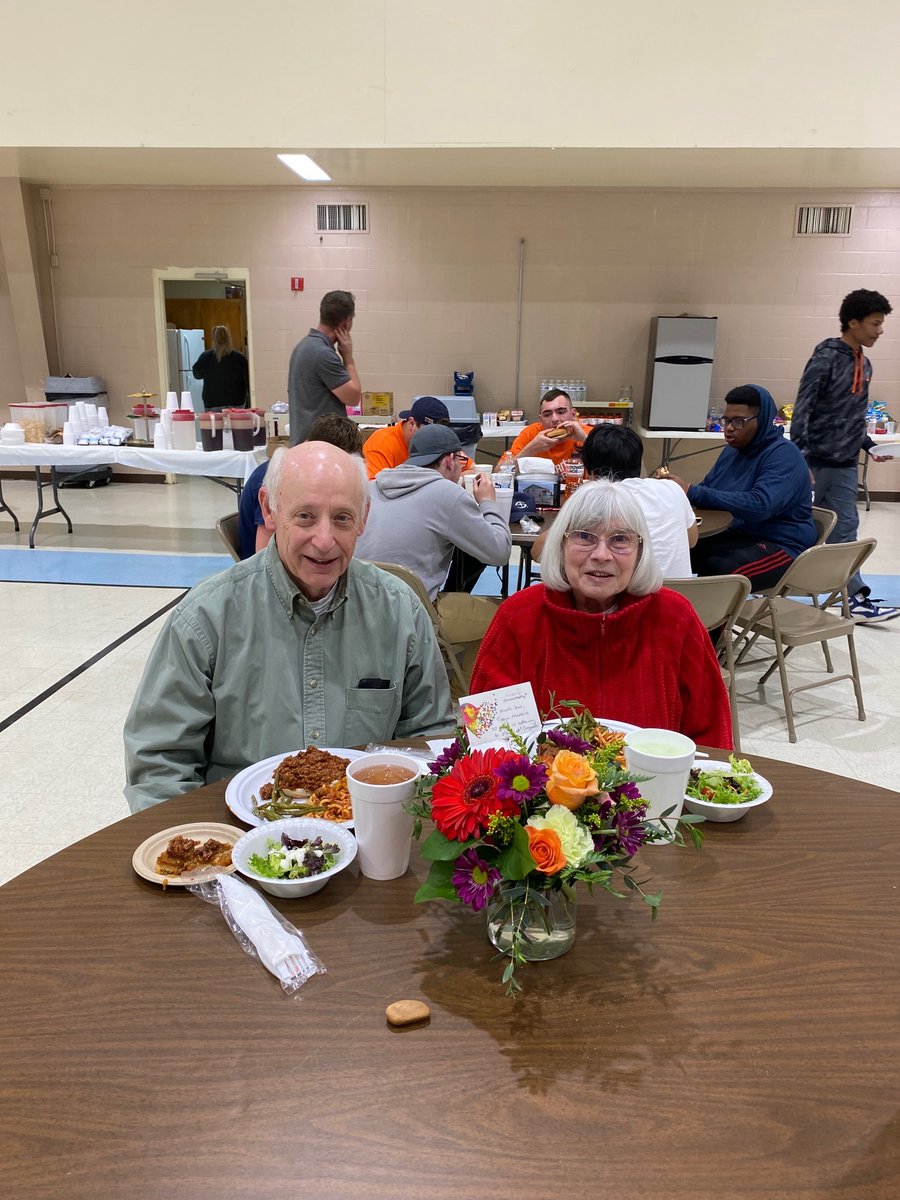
(389, 447)
(540, 439)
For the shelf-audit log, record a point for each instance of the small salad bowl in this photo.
(726, 812)
(256, 841)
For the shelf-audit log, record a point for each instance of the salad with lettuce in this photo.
(294, 858)
(734, 786)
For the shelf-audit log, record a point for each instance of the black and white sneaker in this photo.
(865, 610)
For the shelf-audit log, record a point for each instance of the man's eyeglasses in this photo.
(736, 422)
(622, 542)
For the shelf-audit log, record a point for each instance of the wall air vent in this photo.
(823, 220)
(342, 218)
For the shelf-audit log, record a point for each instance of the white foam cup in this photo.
(172, 401)
(667, 757)
(383, 828)
(504, 499)
(187, 401)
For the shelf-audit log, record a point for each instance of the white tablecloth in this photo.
(228, 464)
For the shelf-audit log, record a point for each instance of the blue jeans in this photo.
(836, 489)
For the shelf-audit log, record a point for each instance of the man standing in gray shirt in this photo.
(322, 375)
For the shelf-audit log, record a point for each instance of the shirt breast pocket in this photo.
(372, 715)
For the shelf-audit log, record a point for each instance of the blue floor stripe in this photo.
(122, 569)
(885, 587)
(113, 569)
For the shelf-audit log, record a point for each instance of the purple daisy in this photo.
(474, 879)
(626, 791)
(446, 758)
(629, 830)
(569, 741)
(518, 778)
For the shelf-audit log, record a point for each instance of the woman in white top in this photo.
(615, 452)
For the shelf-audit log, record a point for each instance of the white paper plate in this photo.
(144, 858)
(437, 745)
(615, 726)
(246, 784)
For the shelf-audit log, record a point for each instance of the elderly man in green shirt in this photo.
(298, 645)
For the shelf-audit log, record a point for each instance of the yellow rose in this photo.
(572, 780)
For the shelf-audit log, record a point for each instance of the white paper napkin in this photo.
(283, 953)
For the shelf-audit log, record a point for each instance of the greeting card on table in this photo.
(489, 716)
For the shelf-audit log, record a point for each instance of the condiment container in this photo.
(12, 434)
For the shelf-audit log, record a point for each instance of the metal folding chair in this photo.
(717, 600)
(228, 529)
(821, 573)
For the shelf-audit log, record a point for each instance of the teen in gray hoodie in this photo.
(419, 513)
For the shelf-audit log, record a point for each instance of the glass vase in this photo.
(542, 920)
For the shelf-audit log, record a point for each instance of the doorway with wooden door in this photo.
(198, 300)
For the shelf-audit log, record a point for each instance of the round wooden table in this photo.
(743, 1046)
(712, 520)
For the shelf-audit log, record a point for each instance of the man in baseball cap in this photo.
(389, 447)
(419, 514)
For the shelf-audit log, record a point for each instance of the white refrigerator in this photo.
(679, 372)
(184, 347)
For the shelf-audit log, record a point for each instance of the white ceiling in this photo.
(463, 167)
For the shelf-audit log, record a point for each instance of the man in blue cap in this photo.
(389, 447)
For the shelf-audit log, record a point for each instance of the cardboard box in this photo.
(272, 444)
(378, 404)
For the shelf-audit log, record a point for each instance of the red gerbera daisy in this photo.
(466, 798)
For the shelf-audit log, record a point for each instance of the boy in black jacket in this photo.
(829, 425)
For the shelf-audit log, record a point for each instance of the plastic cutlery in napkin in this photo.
(262, 931)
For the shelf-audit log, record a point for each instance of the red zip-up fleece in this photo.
(650, 663)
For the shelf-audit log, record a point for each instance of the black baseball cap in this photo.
(427, 410)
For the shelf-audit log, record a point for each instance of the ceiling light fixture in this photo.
(305, 167)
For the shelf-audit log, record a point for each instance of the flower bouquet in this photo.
(516, 829)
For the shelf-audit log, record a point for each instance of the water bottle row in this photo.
(575, 388)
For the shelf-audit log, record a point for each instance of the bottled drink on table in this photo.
(572, 471)
(507, 467)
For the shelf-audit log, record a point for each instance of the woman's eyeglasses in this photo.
(736, 422)
(621, 542)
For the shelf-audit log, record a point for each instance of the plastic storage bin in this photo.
(40, 420)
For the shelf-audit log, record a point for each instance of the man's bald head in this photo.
(320, 461)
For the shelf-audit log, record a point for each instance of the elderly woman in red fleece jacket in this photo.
(602, 630)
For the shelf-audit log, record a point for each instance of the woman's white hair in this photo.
(608, 507)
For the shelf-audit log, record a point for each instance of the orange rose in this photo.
(572, 780)
(546, 849)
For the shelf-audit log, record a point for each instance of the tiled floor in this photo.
(61, 772)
